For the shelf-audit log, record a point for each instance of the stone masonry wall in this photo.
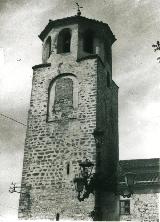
(51, 146)
(143, 207)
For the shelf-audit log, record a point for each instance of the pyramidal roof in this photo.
(75, 19)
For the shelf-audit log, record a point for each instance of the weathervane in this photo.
(156, 46)
(78, 9)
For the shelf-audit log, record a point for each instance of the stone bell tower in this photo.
(72, 95)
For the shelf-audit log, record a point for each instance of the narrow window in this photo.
(124, 207)
(108, 80)
(88, 41)
(64, 41)
(98, 158)
(48, 48)
(57, 217)
(68, 168)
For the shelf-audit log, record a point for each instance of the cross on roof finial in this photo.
(78, 9)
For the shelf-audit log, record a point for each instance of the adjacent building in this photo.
(143, 205)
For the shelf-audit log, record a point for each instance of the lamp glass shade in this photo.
(86, 168)
(130, 178)
(86, 163)
(126, 193)
(79, 184)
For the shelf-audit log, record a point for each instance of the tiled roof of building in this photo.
(71, 20)
(142, 163)
(147, 171)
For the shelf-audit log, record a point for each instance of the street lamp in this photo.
(13, 188)
(88, 182)
(128, 191)
(25, 194)
(84, 183)
(130, 179)
(86, 168)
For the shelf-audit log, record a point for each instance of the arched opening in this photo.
(88, 41)
(47, 48)
(62, 97)
(64, 41)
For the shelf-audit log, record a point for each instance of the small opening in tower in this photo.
(108, 79)
(98, 159)
(48, 47)
(64, 41)
(68, 168)
(57, 216)
(88, 41)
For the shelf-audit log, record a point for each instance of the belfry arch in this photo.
(64, 41)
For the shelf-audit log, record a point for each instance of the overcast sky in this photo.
(136, 25)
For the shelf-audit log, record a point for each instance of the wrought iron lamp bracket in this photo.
(13, 189)
(89, 183)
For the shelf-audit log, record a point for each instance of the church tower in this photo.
(73, 95)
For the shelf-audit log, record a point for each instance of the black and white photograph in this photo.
(79, 110)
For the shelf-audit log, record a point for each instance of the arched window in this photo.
(47, 49)
(64, 41)
(88, 41)
(63, 97)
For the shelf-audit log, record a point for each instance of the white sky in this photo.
(136, 25)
